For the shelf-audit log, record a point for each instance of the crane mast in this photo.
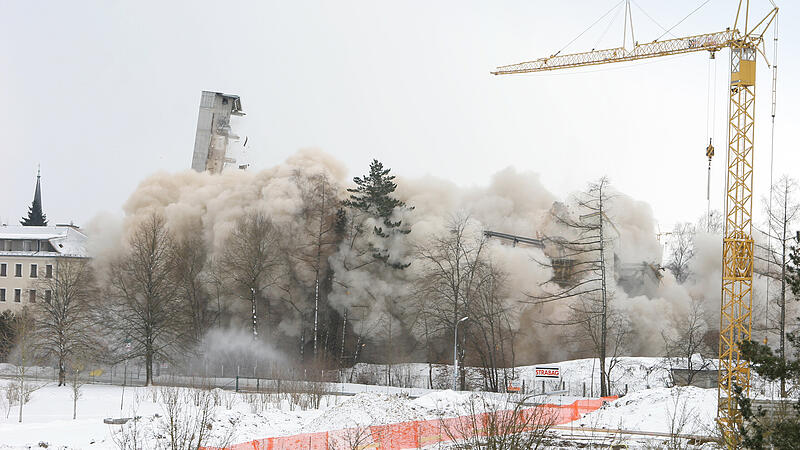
(737, 244)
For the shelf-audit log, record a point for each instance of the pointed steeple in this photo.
(37, 195)
(36, 217)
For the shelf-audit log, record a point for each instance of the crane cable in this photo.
(613, 19)
(711, 121)
(589, 27)
(772, 161)
(653, 20)
(627, 4)
(681, 21)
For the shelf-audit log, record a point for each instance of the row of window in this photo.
(25, 245)
(31, 295)
(34, 272)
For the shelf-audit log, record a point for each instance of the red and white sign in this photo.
(548, 372)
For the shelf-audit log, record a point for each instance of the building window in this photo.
(2, 295)
(48, 294)
(17, 295)
(48, 271)
(32, 296)
(3, 268)
(18, 270)
(34, 271)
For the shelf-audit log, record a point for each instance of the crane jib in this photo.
(712, 42)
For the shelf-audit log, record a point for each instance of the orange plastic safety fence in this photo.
(408, 435)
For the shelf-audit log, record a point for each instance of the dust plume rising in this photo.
(514, 202)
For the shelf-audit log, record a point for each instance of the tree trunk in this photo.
(316, 313)
(604, 313)
(148, 366)
(62, 373)
(21, 395)
(783, 309)
(303, 343)
(344, 331)
(462, 371)
(255, 317)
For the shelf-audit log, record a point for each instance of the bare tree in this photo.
(681, 250)
(688, 341)
(450, 274)
(710, 223)
(491, 334)
(317, 239)
(603, 329)
(188, 417)
(65, 313)
(496, 426)
(148, 307)
(681, 420)
(250, 261)
(782, 214)
(215, 279)
(357, 437)
(189, 264)
(76, 382)
(587, 289)
(23, 356)
(7, 319)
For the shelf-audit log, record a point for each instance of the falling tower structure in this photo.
(214, 131)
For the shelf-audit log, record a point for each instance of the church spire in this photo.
(36, 217)
(37, 195)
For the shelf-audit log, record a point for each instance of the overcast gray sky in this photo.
(104, 93)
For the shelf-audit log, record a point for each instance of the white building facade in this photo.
(29, 254)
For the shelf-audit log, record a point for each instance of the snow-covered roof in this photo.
(67, 240)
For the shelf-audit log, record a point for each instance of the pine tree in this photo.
(36, 218)
(373, 197)
(779, 428)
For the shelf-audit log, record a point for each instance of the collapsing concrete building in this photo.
(214, 131)
(561, 256)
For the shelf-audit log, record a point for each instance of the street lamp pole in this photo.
(455, 354)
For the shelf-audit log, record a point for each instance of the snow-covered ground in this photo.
(650, 406)
(47, 417)
(577, 376)
(681, 410)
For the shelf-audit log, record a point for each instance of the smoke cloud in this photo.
(514, 202)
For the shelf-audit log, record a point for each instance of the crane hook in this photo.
(710, 150)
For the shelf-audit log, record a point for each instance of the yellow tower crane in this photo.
(737, 243)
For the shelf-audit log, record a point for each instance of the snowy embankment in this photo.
(579, 377)
(681, 410)
(47, 418)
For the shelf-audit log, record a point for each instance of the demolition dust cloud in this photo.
(513, 202)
